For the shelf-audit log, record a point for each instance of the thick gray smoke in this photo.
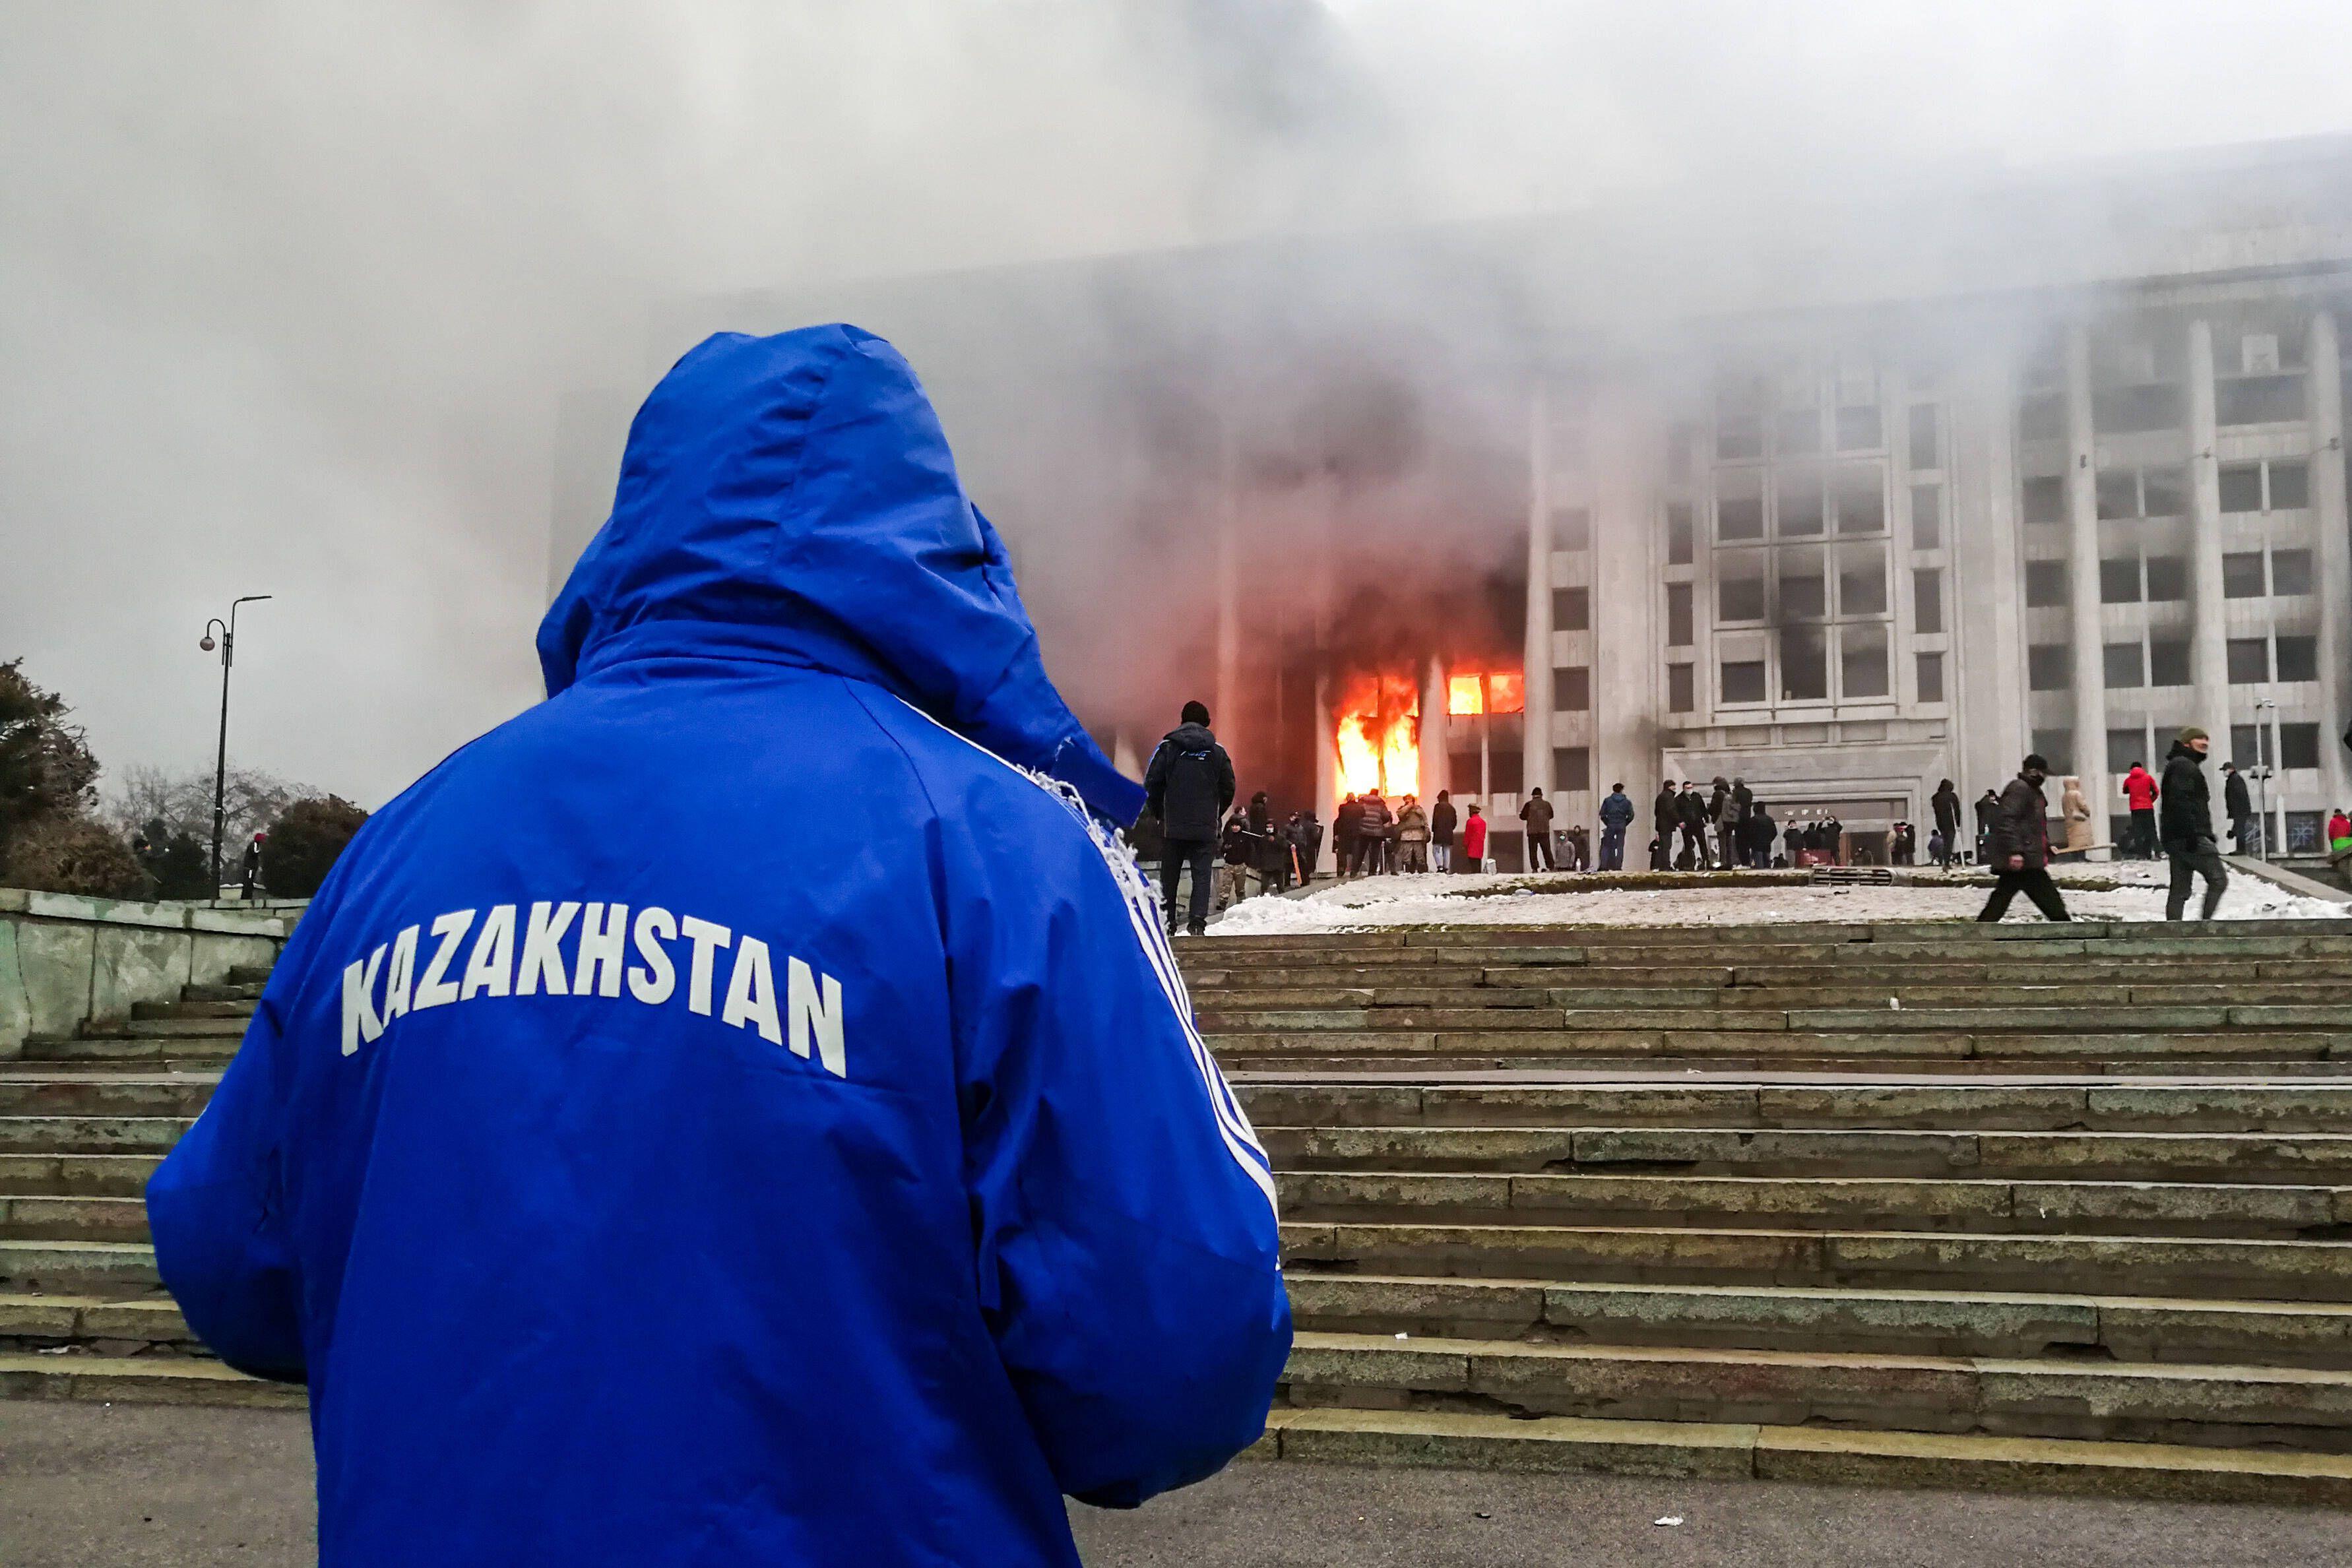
(292, 298)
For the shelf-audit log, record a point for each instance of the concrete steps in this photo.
(1956, 1321)
(2229, 1405)
(1815, 1454)
(2239, 1209)
(2030, 1103)
(116, 1325)
(1539, 1152)
(138, 1380)
(2075, 1213)
(2268, 1268)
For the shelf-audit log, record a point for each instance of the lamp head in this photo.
(207, 643)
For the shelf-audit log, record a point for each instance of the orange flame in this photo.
(1379, 726)
(1500, 691)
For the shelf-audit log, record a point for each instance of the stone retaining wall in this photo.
(65, 960)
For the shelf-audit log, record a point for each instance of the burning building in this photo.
(1843, 499)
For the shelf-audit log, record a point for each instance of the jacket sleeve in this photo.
(216, 1210)
(1155, 782)
(1124, 1216)
(1224, 778)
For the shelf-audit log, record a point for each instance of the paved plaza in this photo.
(146, 1486)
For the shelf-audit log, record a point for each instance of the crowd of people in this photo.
(1192, 825)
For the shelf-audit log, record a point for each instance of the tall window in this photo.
(1678, 615)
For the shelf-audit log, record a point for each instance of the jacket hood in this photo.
(1190, 736)
(792, 500)
(2181, 748)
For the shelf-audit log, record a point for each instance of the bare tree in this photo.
(182, 802)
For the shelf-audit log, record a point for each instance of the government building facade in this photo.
(1841, 496)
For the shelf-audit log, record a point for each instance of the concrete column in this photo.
(1628, 645)
(1326, 728)
(1537, 688)
(2209, 647)
(2083, 551)
(1327, 767)
(1432, 733)
(1228, 715)
(1984, 671)
(2335, 549)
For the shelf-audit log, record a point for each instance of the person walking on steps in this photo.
(2018, 845)
(1189, 787)
(1536, 815)
(2186, 822)
(1616, 816)
(1442, 819)
(2139, 794)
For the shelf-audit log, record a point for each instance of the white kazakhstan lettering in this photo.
(810, 1020)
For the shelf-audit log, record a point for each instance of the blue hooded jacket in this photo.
(729, 1114)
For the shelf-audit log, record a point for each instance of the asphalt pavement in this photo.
(150, 1487)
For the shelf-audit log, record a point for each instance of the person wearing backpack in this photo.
(1189, 787)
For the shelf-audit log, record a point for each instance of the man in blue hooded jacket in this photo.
(631, 1185)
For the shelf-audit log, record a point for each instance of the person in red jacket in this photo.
(2140, 791)
(1473, 842)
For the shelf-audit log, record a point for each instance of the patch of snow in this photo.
(1442, 899)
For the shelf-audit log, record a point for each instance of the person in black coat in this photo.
(1441, 819)
(1347, 827)
(2245, 832)
(1306, 843)
(2018, 846)
(1945, 803)
(1189, 787)
(1988, 808)
(2184, 822)
(1690, 810)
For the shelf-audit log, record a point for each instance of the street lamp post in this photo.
(220, 758)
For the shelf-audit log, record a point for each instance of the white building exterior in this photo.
(1859, 570)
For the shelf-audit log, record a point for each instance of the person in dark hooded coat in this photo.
(1189, 787)
(1946, 804)
(2019, 846)
(2185, 823)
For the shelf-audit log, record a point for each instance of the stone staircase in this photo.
(2027, 1207)
(2030, 1206)
(82, 1123)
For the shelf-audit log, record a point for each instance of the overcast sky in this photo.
(288, 293)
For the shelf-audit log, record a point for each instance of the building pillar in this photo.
(2335, 550)
(1536, 683)
(2209, 647)
(1432, 736)
(1327, 767)
(2090, 761)
(1628, 561)
(1227, 702)
(1985, 672)
(1327, 728)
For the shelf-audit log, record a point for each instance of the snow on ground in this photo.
(1442, 900)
